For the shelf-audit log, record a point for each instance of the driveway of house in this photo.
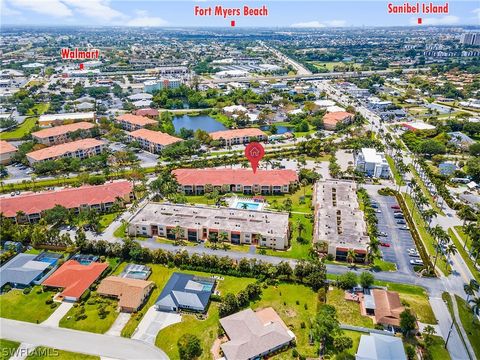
(119, 324)
(152, 323)
(58, 314)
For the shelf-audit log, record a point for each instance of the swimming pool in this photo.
(207, 287)
(247, 205)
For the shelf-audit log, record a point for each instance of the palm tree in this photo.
(300, 228)
(450, 250)
(244, 206)
(470, 288)
(475, 307)
(428, 215)
(177, 232)
(351, 256)
(223, 237)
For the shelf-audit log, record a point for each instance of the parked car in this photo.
(398, 216)
(415, 255)
(378, 211)
(397, 211)
(375, 206)
(395, 207)
(382, 233)
(401, 221)
(385, 244)
(416, 262)
(405, 227)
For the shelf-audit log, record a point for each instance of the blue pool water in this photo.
(207, 287)
(249, 205)
(48, 260)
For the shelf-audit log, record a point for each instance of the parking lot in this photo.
(400, 240)
(146, 158)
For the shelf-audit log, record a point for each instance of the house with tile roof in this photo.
(80, 149)
(331, 119)
(383, 306)
(7, 151)
(75, 278)
(131, 293)
(98, 197)
(152, 141)
(132, 122)
(194, 181)
(60, 134)
(254, 335)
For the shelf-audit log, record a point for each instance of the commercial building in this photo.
(380, 347)
(195, 181)
(67, 118)
(152, 141)
(185, 292)
(238, 136)
(339, 222)
(372, 164)
(98, 197)
(28, 269)
(131, 293)
(151, 86)
(331, 119)
(80, 149)
(199, 223)
(75, 278)
(7, 151)
(131, 122)
(254, 335)
(418, 125)
(60, 134)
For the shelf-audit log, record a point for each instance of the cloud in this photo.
(96, 9)
(477, 13)
(143, 20)
(443, 20)
(53, 8)
(7, 11)
(318, 24)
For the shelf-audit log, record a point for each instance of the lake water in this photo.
(203, 122)
(280, 129)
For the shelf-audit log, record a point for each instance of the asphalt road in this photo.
(114, 347)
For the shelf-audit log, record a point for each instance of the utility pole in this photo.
(449, 333)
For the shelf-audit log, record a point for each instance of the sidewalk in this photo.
(58, 314)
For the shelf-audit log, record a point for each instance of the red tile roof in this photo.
(75, 278)
(334, 117)
(155, 137)
(230, 134)
(146, 112)
(70, 198)
(6, 147)
(218, 177)
(136, 120)
(59, 150)
(62, 129)
(388, 307)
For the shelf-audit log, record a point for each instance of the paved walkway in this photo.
(119, 324)
(422, 326)
(58, 314)
(152, 323)
(78, 341)
(460, 326)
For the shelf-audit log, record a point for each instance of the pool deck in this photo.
(236, 201)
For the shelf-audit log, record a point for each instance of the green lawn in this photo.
(41, 353)
(470, 323)
(160, 275)
(20, 131)
(382, 265)
(463, 236)
(348, 311)
(32, 308)
(420, 306)
(355, 336)
(437, 349)
(329, 65)
(396, 175)
(7, 348)
(106, 219)
(38, 109)
(464, 254)
(427, 239)
(93, 322)
(120, 231)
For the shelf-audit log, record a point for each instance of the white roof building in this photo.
(234, 108)
(324, 103)
(335, 108)
(418, 125)
(380, 347)
(372, 163)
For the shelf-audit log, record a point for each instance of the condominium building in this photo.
(238, 136)
(372, 163)
(339, 222)
(67, 118)
(131, 122)
(7, 151)
(151, 86)
(199, 223)
(331, 119)
(76, 149)
(61, 134)
(470, 38)
(97, 197)
(152, 141)
(196, 181)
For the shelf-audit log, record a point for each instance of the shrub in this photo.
(189, 347)
(27, 290)
(347, 280)
(7, 288)
(302, 325)
(53, 305)
(39, 291)
(366, 279)
(294, 353)
(215, 298)
(305, 306)
(297, 302)
(49, 301)
(322, 295)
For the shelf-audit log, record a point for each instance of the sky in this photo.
(295, 14)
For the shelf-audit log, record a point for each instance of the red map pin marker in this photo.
(81, 66)
(254, 153)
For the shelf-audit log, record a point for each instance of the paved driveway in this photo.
(153, 322)
(78, 341)
(119, 324)
(58, 314)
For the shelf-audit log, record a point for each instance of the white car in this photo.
(416, 262)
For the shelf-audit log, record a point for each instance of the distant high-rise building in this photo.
(470, 38)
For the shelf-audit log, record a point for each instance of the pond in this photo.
(203, 122)
(280, 129)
